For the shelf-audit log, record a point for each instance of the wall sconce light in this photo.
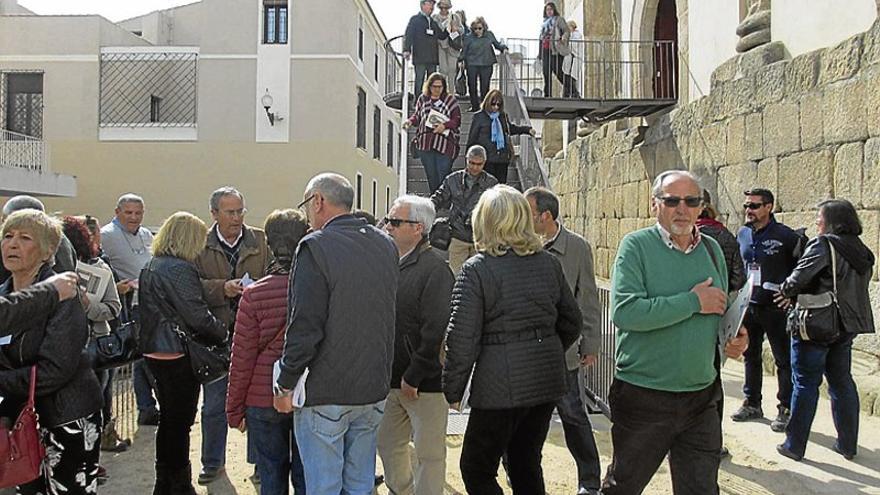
(267, 102)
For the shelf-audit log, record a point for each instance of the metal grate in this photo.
(153, 89)
(598, 378)
(124, 406)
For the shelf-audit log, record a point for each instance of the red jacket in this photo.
(257, 343)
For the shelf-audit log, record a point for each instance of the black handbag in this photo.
(119, 348)
(209, 363)
(817, 316)
(441, 234)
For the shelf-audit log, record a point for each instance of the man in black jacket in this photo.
(770, 252)
(415, 408)
(421, 43)
(339, 341)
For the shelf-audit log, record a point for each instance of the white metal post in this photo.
(404, 136)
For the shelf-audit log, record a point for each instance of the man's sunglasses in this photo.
(673, 201)
(395, 222)
(752, 206)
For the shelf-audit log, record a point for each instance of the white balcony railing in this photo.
(20, 151)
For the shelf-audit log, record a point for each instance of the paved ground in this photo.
(754, 467)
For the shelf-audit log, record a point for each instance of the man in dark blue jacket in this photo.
(770, 251)
(421, 43)
(339, 342)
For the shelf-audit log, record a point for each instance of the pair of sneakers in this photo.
(749, 412)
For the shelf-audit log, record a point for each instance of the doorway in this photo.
(665, 76)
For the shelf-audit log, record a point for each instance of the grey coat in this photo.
(559, 37)
(479, 51)
(576, 257)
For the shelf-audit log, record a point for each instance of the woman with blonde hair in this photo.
(171, 303)
(68, 395)
(513, 316)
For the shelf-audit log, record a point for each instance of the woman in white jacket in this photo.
(573, 63)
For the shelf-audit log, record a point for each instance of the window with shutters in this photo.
(362, 119)
(377, 133)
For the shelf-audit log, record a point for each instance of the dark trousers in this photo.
(498, 170)
(276, 455)
(551, 65)
(422, 71)
(809, 362)
(484, 74)
(490, 433)
(579, 434)
(770, 321)
(178, 394)
(649, 424)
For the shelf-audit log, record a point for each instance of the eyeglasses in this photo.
(478, 29)
(476, 163)
(302, 205)
(396, 222)
(673, 201)
(752, 206)
(235, 213)
(495, 104)
(437, 86)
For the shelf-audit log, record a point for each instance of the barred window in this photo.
(275, 22)
(377, 133)
(21, 102)
(362, 119)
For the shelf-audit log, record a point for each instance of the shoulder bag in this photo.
(119, 348)
(21, 450)
(818, 315)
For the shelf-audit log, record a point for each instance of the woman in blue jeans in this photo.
(438, 118)
(839, 227)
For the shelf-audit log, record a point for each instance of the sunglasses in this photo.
(673, 201)
(495, 104)
(478, 29)
(752, 206)
(396, 222)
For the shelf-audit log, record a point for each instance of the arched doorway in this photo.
(665, 78)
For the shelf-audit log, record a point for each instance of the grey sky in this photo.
(506, 18)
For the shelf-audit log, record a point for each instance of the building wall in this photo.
(806, 25)
(807, 128)
(713, 39)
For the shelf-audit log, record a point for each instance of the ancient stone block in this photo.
(871, 174)
(754, 138)
(612, 232)
(728, 71)
(871, 82)
(736, 140)
(732, 181)
(668, 156)
(871, 48)
(848, 162)
(770, 83)
(805, 178)
(871, 231)
(764, 55)
(811, 115)
(841, 61)
(645, 199)
(844, 115)
(781, 129)
(631, 200)
(801, 73)
(628, 225)
(768, 174)
(708, 148)
(637, 165)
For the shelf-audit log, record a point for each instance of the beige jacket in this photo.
(214, 269)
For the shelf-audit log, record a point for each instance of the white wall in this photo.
(711, 40)
(806, 25)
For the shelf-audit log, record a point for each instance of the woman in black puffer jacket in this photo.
(839, 226)
(171, 299)
(513, 315)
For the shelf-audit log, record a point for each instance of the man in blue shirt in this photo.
(770, 251)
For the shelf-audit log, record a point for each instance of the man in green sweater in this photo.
(669, 292)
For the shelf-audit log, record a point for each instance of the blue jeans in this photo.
(143, 388)
(338, 447)
(276, 455)
(214, 427)
(437, 167)
(809, 362)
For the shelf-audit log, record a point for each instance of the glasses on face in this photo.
(436, 86)
(478, 29)
(752, 206)
(302, 206)
(396, 222)
(476, 163)
(235, 213)
(495, 104)
(674, 201)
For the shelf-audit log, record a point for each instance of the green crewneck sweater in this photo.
(663, 342)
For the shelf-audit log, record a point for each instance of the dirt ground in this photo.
(754, 468)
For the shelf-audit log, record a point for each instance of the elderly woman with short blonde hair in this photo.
(513, 316)
(172, 302)
(68, 395)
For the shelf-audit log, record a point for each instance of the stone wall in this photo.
(808, 128)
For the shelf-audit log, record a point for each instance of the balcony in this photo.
(24, 168)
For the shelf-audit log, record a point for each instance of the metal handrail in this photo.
(531, 168)
(20, 151)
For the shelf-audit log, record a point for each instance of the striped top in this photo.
(426, 140)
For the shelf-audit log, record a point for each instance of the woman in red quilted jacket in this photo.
(257, 344)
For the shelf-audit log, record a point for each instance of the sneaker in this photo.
(724, 452)
(148, 417)
(210, 474)
(787, 453)
(110, 440)
(747, 413)
(102, 475)
(778, 425)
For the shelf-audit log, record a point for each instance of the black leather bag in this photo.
(818, 315)
(441, 234)
(209, 363)
(119, 348)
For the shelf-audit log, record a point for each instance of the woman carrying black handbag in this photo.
(174, 320)
(836, 265)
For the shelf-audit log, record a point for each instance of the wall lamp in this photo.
(267, 102)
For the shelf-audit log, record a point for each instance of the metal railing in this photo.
(124, 406)
(530, 162)
(598, 378)
(21, 151)
(596, 69)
